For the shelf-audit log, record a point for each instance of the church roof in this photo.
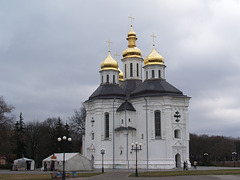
(126, 106)
(108, 91)
(130, 85)
(156, 87)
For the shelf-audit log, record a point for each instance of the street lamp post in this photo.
(64, 139)
(234, 155)
(102, 152)
(136, 149)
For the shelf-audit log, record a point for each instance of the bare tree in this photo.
(77, 121)
(5, 112)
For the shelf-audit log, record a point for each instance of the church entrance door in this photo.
(178, 160)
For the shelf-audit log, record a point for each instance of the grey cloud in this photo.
(50, 53)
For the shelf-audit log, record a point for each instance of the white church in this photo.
(127, 108)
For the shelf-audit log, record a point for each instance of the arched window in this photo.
(146, 75)
(153, 74)
(157, 117)
(131, 70)
(177, 134)
(114, 79)
(106, 134)
(107, 78)
(159, 74)
(102, 79)
(137, 70)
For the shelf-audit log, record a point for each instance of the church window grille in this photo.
(137, 70)
(157, 116)
(107, 78)
(131, 70)
(114, 79)
(146, 74)
(159, 74)
(152, 73)
(177, 134)
(106, 125)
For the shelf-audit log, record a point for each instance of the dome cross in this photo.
(109, 44)
(131, 19)
(117, 55)
(153, 38)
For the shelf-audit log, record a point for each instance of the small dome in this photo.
(120, 75)
(109, 63)
(154, 58)
(131, 33)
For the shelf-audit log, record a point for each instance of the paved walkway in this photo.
(116, 174)
(120, 176)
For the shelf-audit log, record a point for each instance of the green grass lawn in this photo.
(38, 176)
(188, 173)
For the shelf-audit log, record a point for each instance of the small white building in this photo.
(73, 162)
(136, 105)
(23, 164)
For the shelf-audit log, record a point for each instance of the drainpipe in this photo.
(126, 137)
(113, 135)
(146, 129)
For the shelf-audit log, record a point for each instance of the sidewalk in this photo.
(119, 174)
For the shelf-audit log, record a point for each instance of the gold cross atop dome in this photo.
(153, 38)
(117, 55)
(131, 19)
(109, 44)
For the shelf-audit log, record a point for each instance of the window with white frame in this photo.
(106, 133)
(157, 118)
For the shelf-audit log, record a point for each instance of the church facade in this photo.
(127, 108)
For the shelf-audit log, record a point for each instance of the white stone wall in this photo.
(161, 152)
(126, 71)
(155, 68)
(110, 73)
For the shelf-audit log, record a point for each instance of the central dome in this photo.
(132, 50)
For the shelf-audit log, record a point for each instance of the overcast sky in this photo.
(51, 50)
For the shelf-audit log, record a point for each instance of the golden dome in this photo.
(154, 58)
(132, 50)
(120, 75)
(131, 33)
(109, 63)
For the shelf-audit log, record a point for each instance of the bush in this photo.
(7, 166)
